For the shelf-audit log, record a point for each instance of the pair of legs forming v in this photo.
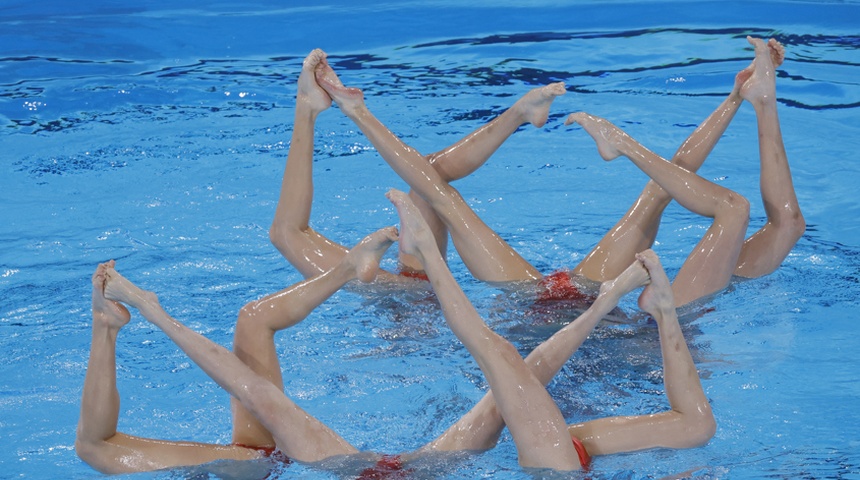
(721, 253)
(264, 416)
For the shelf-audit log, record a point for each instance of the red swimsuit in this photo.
(584, 457)
(559, 286)
(387, 467)
(414, 274)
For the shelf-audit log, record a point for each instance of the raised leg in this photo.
(97, 441)
(299, 435)
(308, 251)
(258, 321)
(487, 255)
(690, 421)
(532, 416)
(637, 229)
(765, 250)
(710, 265)
(471, 152)
(479, 429)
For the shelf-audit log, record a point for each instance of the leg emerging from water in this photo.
(471, 152)
(689, 422)
(97, 441)
(307, 250)
(479, 429)
(765, 250)
(259, 320)
(532, 416)
(486, 255)
(710, 266)
(637, 229)
(299, 435)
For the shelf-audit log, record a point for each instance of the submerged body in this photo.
(264, 417)
(722, 251)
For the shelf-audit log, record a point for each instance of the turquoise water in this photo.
(157, 135)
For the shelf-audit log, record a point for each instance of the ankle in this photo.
(305, 112)
(145, 300)
(355, 112)
(103, 325)
(764, 104)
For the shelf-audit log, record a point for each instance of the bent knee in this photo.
(734, 208)
(250, 322)
(96, 455)
(86, 450)
(280, 236)
(699, 429)
(794, 224)
(738, 204)
(248, 311)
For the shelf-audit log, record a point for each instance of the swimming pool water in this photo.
(157, 135)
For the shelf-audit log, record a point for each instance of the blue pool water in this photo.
(156, 135)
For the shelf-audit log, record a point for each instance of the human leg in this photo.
(471, 152)
(710, 265)
(307, 250)
(533, 418)
(765, 250)
(97, 441)
(637, 229)
(487, 255)
(689, 422)
(480, 428)
(258, 321)
(297, 434)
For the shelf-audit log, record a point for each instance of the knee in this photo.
(256, 321)
(288, 239)
(85, 449)
(245, 322)
(795, 224)
(441, 167)
(279, 235)
(248, 318)
(247, 312)
(93, 454)
(739, 204)
(699, 427)
(736, 207)
(705, 431)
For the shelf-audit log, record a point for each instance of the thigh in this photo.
(310, 252)
(710, 266)
(488, 257)
(126, 453)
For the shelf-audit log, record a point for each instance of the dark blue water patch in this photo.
(58, 60)
(807, 462)
(273, 71)
(806, 106)
(430, 79)
(87, 100)
(840, 262)
(540, 37)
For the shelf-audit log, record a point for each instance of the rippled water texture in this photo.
(157, 135)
